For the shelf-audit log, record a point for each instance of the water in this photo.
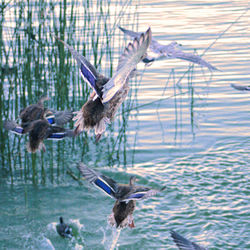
(197, 144)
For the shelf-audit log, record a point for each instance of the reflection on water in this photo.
(187, 128)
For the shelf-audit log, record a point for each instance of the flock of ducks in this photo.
(108, 94)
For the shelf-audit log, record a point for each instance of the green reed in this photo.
(33, 64)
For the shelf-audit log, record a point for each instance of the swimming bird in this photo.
(183, 243)
(39, 130)
(240, 87)
(125, 195)
(63, 229)
(108, 94)
(38, 111)
(169, 51)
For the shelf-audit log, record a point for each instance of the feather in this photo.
(88, 71)
(183, 243)
(131, 56)
(102, 182)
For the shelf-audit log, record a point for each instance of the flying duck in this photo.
(108, 93)
(171, 50)
(38, 111)
(39, 130)
(125, 195)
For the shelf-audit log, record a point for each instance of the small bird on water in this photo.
(63, 229)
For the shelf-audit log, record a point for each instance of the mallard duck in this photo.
(39, 130)
(63, 229)
(183, 243)
(38, 111)
(171, 50)
(240, 87)
(108, 94)
(125, 195)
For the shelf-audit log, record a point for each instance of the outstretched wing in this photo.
(183, 243)
(177, 53)
(140, 193)
(59, 135)
(13, 127)
(60, 117)
(154, 45)
(88, 71)
(130, 32)
(131, 56)
(240, 87)
(169, 51)
(106, 184)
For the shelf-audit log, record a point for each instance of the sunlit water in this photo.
(198, 147)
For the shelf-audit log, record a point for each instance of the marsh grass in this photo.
(34, 64)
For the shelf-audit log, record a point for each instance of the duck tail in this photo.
(34, 145)
(101, 127)
(79, 124)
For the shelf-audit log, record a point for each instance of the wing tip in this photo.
(81, 166)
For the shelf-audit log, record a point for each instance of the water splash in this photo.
(76, 223)
(52, 226)
(115, 238)
(47, 244)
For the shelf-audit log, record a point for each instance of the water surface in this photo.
(195, 141)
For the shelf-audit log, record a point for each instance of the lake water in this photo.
(195, 140)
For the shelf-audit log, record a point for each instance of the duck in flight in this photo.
(37, 111)
(125, 195)
(108, 93)
(183, 243)
(169, 51)
(39, 130)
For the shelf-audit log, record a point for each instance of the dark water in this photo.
(195, 141)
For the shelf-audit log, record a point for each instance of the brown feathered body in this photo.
(32, 113)
(38, 131)
(122, 215)
(101, 108)
(94, 114)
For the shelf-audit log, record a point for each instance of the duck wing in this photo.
(131, 56)
(88, 71)
(60, 117)
(106, 184)
(13, 127)
(240, 87)
(183, 243)
(154, 45)
(130, 33)
(58, 133)
(139, 193)
(174, 52)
